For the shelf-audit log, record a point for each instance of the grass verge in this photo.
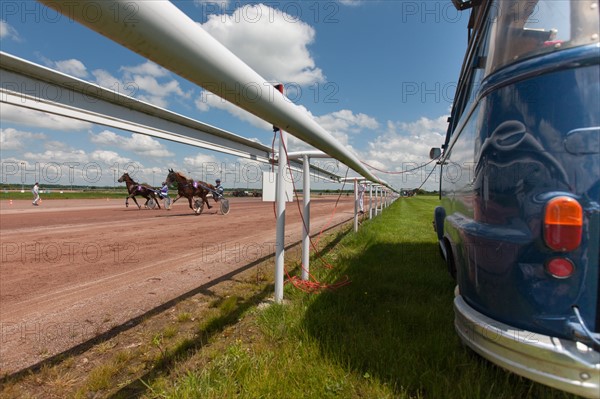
(388, 334)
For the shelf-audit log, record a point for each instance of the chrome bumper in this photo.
(566, 365)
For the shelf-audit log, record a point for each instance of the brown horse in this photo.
(189, 189)
(138, 189)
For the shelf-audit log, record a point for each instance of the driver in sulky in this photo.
(219, 189)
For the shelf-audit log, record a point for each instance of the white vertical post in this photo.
(280, 212)
(355, 205)
(370, 201)
(374, 201)
(306, 224)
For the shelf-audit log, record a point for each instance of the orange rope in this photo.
(397, 173)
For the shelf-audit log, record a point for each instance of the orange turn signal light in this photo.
(563, 224)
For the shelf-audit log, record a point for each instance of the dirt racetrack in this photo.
(73, 269)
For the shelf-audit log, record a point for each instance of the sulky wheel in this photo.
(151, 203)
(224, 206)
(198, 206)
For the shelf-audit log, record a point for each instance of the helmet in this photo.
(218, 180)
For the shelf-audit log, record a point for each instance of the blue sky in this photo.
(378, 75)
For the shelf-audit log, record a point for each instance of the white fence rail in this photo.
(29, 85)
(161, 32)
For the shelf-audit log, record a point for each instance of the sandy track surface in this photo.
(73, 269)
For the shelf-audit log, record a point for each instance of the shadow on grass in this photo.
(387, 322)
(394, 323)
(189, 347)
(113, 332)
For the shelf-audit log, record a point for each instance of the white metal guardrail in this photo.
(29, 85)
(161, 32)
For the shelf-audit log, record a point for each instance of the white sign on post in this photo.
(269, 184)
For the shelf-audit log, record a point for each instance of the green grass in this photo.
(388, 334)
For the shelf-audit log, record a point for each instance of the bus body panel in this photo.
(513, 153)
(524, 131)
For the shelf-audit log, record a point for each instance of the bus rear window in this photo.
(523, 29)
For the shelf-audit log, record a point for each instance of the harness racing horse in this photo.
(138, 189)
(189, 189)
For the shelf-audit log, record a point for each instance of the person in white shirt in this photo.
(36, 194)
(361, 195)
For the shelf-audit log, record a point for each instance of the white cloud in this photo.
(58, 155)
(28, 117)
(56, 145)
(122, 86)
(423, 126)
(404, 146)
(350, 2)
(13, 139)
(407, 142)
(146, 145)
(344, 124)
(199, 161)
(204, 101)
(201, 166)
(147, 82)
(71, 67)
(137, 143)
(148, 68)
(8, 32)
(157, 92)
(105, 79)
(107, 138)
(109, 157)
(271, 42)
(347, 122)
(208, 100)
(61, 164)
(212, 6)
(340, 124)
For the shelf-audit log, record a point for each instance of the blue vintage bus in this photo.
(519, 221)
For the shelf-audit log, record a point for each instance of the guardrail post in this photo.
(355, 205)
(370, 201)
(306, 218)
(280, 213)
(376, 200)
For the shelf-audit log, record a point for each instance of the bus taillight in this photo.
(560, 267)
(563, 224)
